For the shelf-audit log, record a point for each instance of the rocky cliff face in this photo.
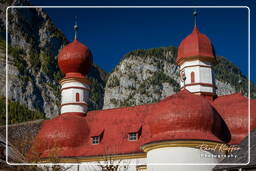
(142, 78)
(33, 74)
(147, 76)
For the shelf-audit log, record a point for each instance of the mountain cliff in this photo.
(142, 76)
(33, 73)
(147, 76)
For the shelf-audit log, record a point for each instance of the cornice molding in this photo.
(96, 158)
(83, 88)
(74, 79)
(190, 66)
(181, 60)
(76, 103)
(203, 84)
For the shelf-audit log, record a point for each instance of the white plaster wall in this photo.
(188, 71)
(74, 84)
(206, 75)
(201, 88)
(127, 165)
(202, 75)
(69, 95)
(74, 108)
(194, 62)
(158, 159)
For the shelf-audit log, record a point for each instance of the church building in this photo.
(192, 130)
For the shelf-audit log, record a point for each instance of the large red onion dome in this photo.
(195, 45)
(62, 133)
(234, 110)
(185, 116)
(75, 58)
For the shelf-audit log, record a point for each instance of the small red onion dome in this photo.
(64, 132)
(75, 58)
(195, 45)
(234, 110)
(185, 116)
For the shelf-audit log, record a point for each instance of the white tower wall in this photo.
(74, 108)
(203, 77)
(171, 158)
(74, 96)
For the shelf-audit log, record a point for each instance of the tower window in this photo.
(192, 75)
(96, 140)
(133, 136)
(77, 97)
(97, 136)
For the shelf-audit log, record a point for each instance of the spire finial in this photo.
(195, 14)
(75, 28)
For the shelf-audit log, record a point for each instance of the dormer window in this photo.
(96, 140)
(134, 133)
(97, 136)
(133, 136)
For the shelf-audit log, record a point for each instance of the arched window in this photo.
(192, 75)
(77, 97)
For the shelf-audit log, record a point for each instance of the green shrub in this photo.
(17, 113)
(34, 60)
(18, 59)
(156, 52)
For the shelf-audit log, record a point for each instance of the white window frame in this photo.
(95, 139)
(133, 136)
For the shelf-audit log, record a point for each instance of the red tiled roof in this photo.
(234, 110)
(183, 116)
(115, 124)
(68, 130)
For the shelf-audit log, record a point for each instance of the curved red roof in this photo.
(112, 124)
(184, 116)
(174, 118)
(75, 58)
(234, 110)
(195, 45)
(66, 131)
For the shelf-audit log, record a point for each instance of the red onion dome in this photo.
(234, 110)
(195, 45)
(64, 132)
(75, 58)
(185, 116)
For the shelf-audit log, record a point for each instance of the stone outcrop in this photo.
(147, 76)
(33, 73)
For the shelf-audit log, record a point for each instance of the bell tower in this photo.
(75, 61)
(196, 57)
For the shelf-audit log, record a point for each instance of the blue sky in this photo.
(110, 33)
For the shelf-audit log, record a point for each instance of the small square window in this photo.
(133, 136)
(96, 140)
